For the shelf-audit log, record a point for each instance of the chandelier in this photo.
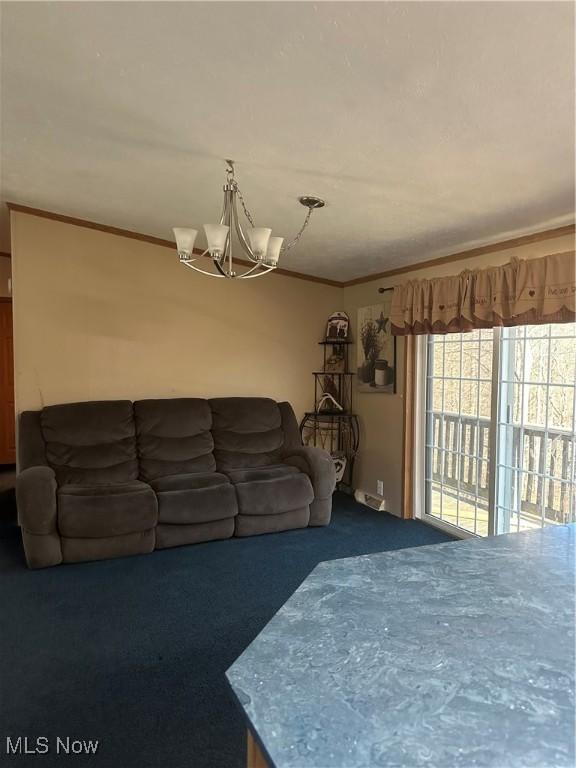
(262, 250)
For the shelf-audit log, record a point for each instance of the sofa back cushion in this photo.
(247, 432)
(91, 443)
(174, 437)
(31, 445)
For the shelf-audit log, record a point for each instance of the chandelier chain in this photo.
(293, 242)
(244, 208)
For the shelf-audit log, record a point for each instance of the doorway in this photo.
(500, 450)
(7, 411)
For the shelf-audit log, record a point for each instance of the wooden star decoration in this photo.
(381, 323)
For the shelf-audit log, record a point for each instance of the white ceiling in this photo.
(428, 127)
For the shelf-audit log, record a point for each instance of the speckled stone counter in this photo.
(458, 654)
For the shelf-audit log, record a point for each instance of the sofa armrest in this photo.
(36, 500)
(317, 464)
(38, 516)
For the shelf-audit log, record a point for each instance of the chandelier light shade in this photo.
(185, 242)
(263, 250)
(216, 236)
(273, 252)
(258, 238)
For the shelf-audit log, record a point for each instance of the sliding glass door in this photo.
(459, 394)
(500, 428)
(535, 427)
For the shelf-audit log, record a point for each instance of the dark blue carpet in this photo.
(132, 652)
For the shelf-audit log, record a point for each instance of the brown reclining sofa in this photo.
(113, 478)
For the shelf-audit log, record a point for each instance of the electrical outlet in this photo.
(380, 487)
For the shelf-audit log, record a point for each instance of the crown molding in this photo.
(502, 245)
(119, 232)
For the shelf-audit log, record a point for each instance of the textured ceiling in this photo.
(428, 127)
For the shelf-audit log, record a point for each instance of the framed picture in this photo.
(337, 328)
(376, 349)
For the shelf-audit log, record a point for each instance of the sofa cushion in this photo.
(260, 473)
(195, 498)
(104, 511)
(254, 525)
(179, 535)
(247, 432)
(79, 550)
(91, 443)
(275, 495)
(174, 437)
(190, 482)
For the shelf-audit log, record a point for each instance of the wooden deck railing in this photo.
(453, 434)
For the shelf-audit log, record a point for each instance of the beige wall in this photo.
(102, 316)
(381, 416)
(5, 272)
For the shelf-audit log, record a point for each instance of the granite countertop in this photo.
(453, 655)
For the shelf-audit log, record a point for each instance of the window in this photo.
(500, 428)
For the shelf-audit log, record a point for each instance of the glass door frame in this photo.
(421, 458)
(496, 443)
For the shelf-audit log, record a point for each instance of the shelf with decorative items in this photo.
(332, 425)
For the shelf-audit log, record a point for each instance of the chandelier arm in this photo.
(292, 243)
(240, 232)
(228, 250)
(219, 268)
(251, 273)
(251, 270)
(265, 270)
(202, 271)
(224, 207)
(226, 258)
(214, 261)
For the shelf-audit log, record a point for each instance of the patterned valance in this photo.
(522, 292)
